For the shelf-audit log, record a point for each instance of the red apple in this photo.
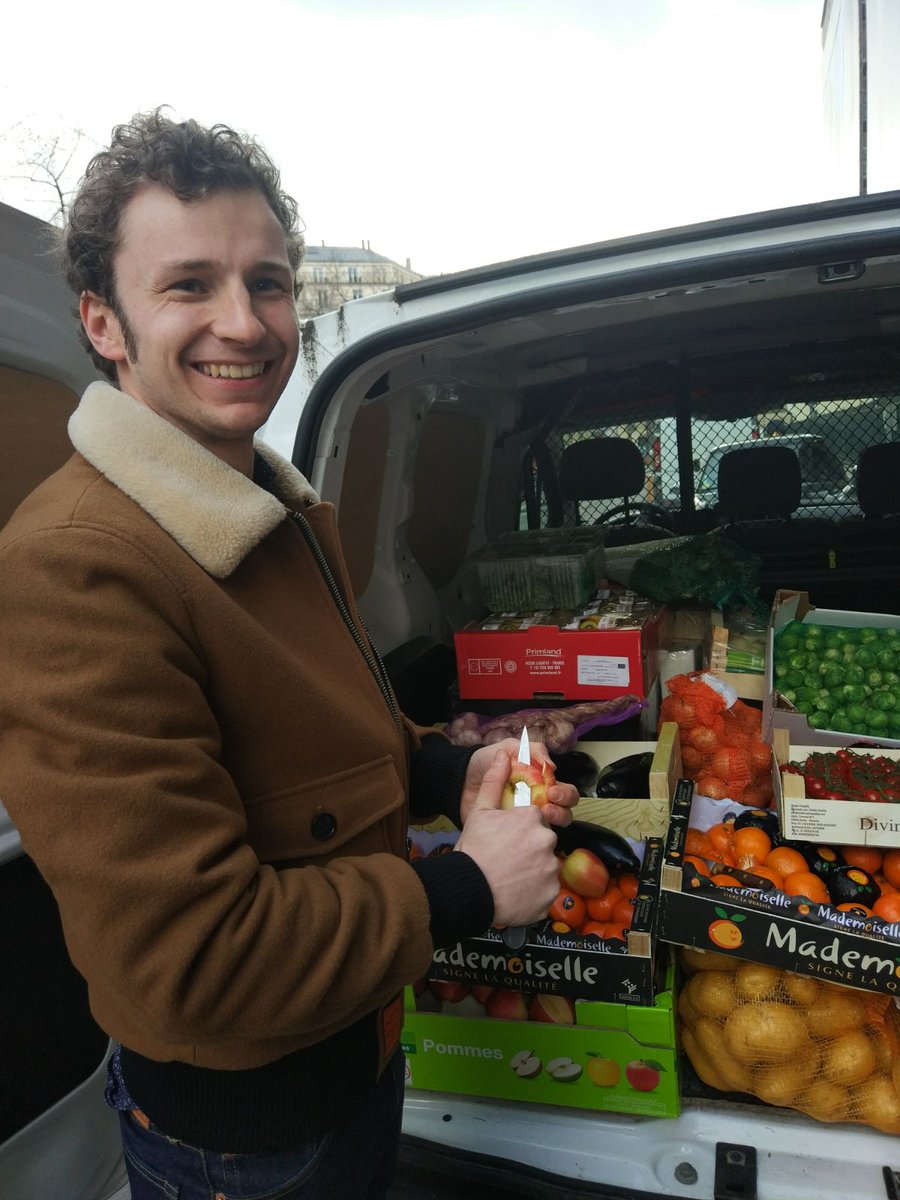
(585, 874)
(507, 1006)
(481, 992)
(552, 1010)
(447, 991)
(538, 775)
(643, 1074)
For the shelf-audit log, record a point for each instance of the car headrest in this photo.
(757, 482)
(602, 468)
(878, 479)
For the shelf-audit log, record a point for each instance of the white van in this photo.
(434, 416)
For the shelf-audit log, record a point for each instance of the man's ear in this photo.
(102, 327)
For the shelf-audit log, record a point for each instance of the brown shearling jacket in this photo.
(196, 753)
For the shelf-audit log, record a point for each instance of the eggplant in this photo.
(629, 776)
(579, 769)
(611, 848)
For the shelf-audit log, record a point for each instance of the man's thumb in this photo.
(493, 782)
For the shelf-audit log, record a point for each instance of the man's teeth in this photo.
(231, 371)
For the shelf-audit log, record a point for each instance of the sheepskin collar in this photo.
(216, 514)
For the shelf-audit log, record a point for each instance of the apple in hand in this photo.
(585, 873)
(506, 1005)
(643, 1074)
(552, 1010)
(538, 775)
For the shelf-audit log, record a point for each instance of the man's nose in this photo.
(235, 319)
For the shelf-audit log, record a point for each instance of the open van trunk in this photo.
(436, 417)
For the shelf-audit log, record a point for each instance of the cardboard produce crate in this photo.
(770, 927)
(617, 1058)
(636, 817)
(536, 657)
(778, 712)
(836, 822)
(565, 963)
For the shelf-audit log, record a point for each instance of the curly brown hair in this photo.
(189, 159)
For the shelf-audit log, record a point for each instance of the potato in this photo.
(712, 993)
(876, 1102)
(705, 960)
(757, 981)
(836, 1012)
(848, 1059)
(802, 989)
(766, 1033)
(782, 1084)
(701, 1062)
(826, 1101)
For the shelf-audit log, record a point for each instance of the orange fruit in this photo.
(593, 928)
(615, 931)
(890, 867)
(622, 913)
(698, 863)
(886, 888)
(599, 908)
(569, 908)
(867, 857)
(808, 885)
(720, 837)
(786, 861)
(751, 846)
(888, 907)
(696, 842)
(628, 885)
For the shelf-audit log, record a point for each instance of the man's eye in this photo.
(186, 285)
(267, 285)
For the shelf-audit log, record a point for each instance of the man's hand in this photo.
(562, 796)
(514, 847)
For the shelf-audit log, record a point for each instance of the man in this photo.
(197, 740)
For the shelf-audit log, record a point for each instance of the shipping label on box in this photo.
(778, 711)
(789, 932)
(615, 1058)
(568, 964)
(550, 662)
(836, 822)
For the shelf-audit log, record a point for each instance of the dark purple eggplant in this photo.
(611, 848)
(579, 769)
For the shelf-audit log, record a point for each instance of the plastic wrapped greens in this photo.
(708, 568)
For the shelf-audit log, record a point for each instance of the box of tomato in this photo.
(846, 797)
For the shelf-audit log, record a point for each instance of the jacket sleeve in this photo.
(111, 765)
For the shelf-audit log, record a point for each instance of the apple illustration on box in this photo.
(643, 1074)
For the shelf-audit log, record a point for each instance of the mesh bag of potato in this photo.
(792, 1040)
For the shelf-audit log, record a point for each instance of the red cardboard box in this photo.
(542, 662)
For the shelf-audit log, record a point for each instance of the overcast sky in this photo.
(454, 132)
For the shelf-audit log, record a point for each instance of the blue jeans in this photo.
(351, 1162)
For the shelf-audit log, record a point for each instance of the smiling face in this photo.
(206, 290)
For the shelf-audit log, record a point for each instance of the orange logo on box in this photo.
(725, 932)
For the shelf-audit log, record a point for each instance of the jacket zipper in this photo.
(368, 651)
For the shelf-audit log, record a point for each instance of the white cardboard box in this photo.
(779, 713)
(833, 822)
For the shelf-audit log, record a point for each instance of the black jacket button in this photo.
(323, 826)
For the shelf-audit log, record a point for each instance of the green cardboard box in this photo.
(617, 1058)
